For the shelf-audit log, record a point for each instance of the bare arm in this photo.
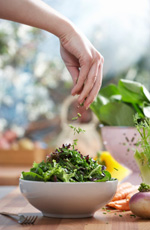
(82, 60)
(34, 13)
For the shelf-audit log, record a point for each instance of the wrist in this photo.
(63, 28)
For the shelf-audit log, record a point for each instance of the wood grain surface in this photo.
(102, 219)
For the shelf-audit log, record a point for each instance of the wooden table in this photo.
(102, 220)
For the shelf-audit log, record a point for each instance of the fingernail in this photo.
(87, 107)
(72, 92)
(80, 100)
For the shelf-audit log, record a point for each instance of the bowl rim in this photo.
(50, 182)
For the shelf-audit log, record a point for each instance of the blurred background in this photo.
(35, 85)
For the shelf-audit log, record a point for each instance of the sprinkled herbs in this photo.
(75, 118)
(76, 129)
(116, 169)
(132, 215)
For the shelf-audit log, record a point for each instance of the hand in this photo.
(85, 65)
(83, 61)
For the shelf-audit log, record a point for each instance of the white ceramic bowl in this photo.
(68, 200)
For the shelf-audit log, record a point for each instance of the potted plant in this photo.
(115, 107)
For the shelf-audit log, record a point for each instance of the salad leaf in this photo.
(32, 176)
(107, 176)
(67, 164)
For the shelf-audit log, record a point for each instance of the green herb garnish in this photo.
(76, 129)
(116, 169)
(132, 215)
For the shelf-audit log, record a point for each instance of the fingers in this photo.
(96, 87)
(85, 65)
(80, 81)
(74, 71)
(89, 82)
(92, 76)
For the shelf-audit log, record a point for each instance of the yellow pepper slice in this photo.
(116, 170)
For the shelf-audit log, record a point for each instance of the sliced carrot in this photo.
(121, 194)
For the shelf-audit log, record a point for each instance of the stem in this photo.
(138, 110)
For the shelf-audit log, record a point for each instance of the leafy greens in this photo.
(116, 105)
(67, 164)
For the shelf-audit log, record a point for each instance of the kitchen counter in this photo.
(102, 219)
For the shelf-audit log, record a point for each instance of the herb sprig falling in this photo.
(75, 118)
(76, 129)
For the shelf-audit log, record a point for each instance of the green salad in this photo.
(67, 164)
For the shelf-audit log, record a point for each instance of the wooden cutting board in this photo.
(102, 220)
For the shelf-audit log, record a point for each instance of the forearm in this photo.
(37, 14)
(82, 60)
